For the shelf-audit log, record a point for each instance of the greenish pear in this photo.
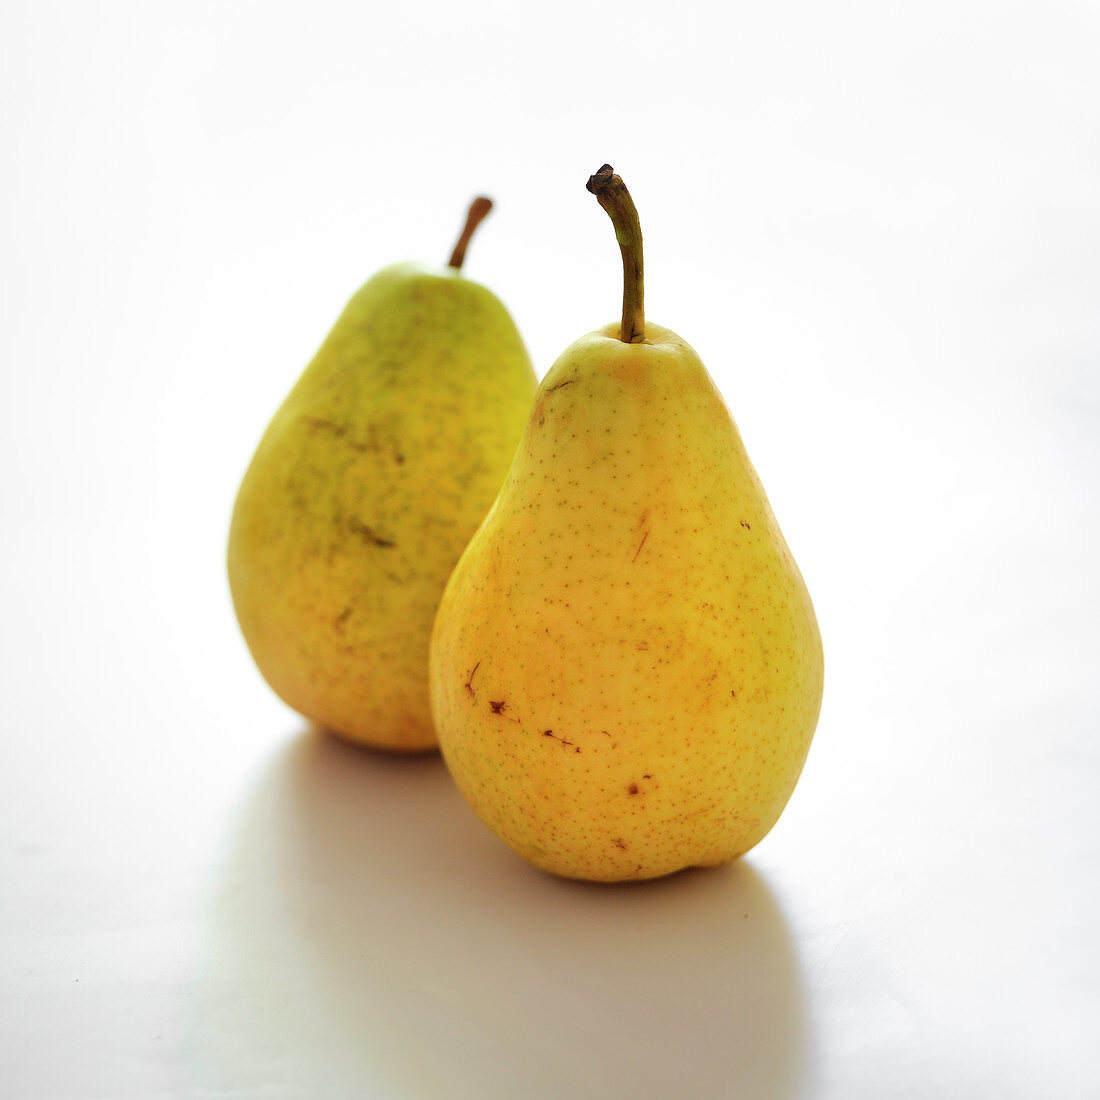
(366, 487)
(626, 666)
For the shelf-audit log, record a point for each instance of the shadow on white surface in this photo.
(369, 937)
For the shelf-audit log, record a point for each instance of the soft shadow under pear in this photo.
(370, 933)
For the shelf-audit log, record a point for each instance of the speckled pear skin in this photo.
(626, 666)
(365, 489)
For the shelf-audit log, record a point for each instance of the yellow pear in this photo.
(365, 489)
(626, 667)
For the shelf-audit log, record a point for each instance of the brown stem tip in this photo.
(474, 217)
(613, 196)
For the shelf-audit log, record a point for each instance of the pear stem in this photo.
(474, 217)
(613, 196)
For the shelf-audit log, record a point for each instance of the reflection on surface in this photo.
(371, 937)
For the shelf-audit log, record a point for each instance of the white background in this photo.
(879, 224)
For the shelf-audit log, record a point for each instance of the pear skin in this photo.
(626, 666)
(365, 489)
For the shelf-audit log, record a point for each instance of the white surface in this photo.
(879, 225)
